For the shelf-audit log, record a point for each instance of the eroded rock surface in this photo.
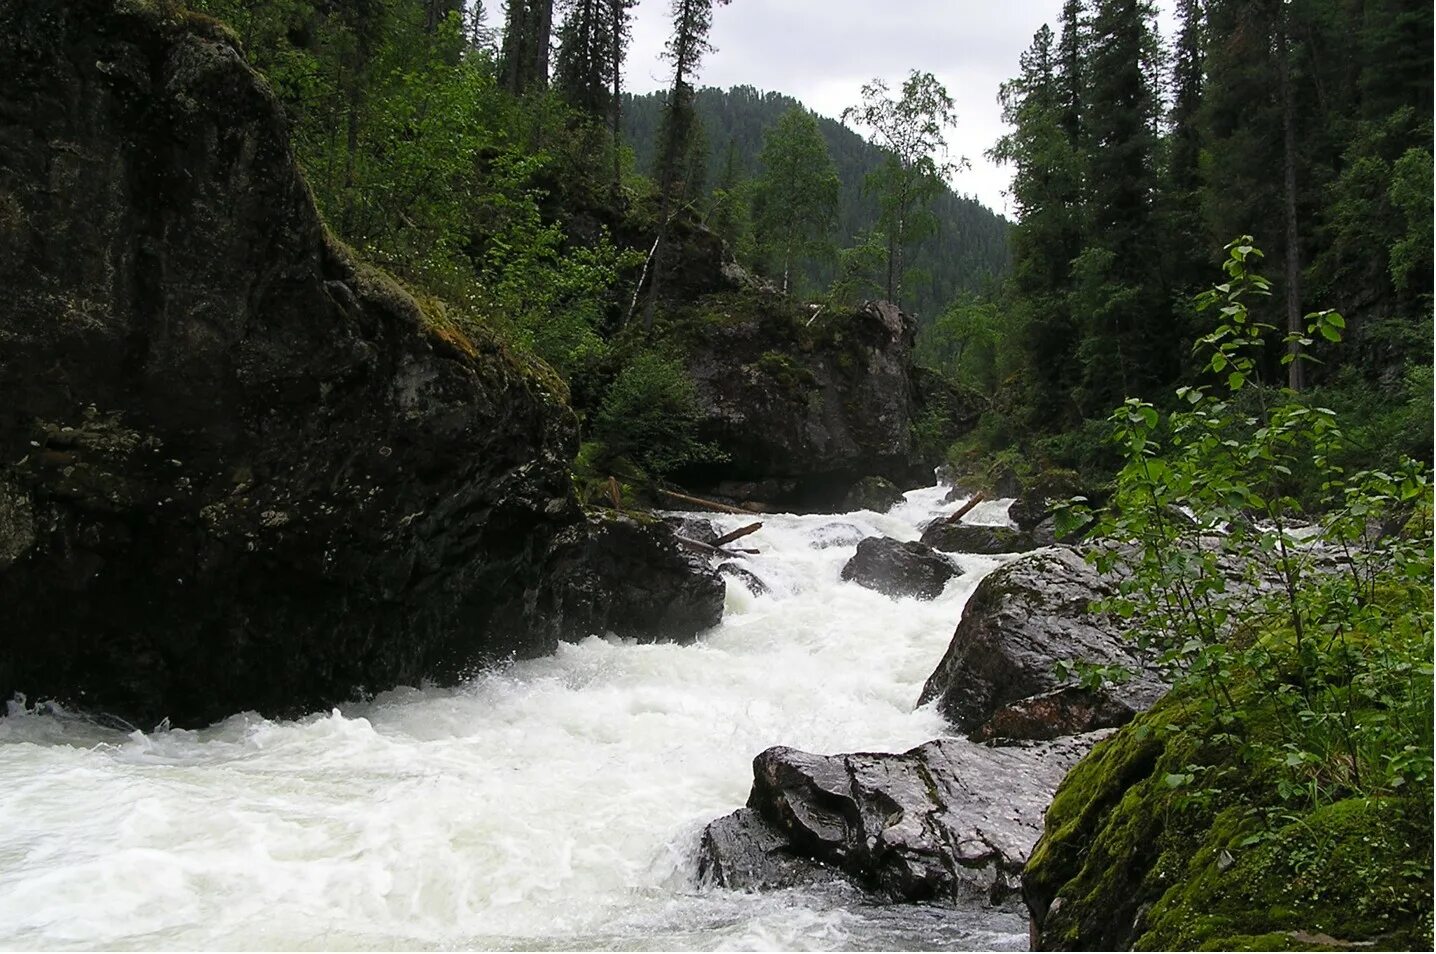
(949, 819)
(900, 569)
(1021, 621)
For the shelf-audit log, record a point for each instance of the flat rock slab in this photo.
(949, 819)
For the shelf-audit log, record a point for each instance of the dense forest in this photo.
(966, 251)
(1306, 124)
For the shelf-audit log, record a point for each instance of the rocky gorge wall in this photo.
(238, 468)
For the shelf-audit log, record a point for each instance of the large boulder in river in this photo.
(238, 469)
(617, 573)
(1023, 619)
(976, 538)
(802, 405)
(900, 569)
(944, 821)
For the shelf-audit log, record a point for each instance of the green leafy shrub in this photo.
(1324, 604)
(650, 416)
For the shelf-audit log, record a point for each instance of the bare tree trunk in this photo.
(617, 13)
(543, 36)
(1296, 370)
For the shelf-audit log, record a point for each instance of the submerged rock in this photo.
(900, 569)
(836, 535)
(1021, 621)
(976, 538)
(743, 575)
(944, 821)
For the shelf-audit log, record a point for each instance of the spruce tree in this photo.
(692, 20)
(524, 56)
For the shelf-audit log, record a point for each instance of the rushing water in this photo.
(553, 804)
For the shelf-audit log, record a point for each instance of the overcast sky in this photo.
(823, 51)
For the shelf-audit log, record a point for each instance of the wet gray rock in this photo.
(836, 535)
(743, 575)
(693, 528)
(900, 569)
(742, 852)
(975, 538)
(877, 494)
(1021, 621)
(1069, 710)
(947, 820)
(617, 574)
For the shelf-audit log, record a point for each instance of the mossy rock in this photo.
(1139, 853)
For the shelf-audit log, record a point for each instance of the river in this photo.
(551, 804)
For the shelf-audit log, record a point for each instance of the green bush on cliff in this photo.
(650, 417)
(1282, 795)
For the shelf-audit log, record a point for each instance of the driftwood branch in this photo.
(738, 534)
(710, 504)
(962, 511)
(708, 548)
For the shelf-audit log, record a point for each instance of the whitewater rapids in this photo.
(552, 804)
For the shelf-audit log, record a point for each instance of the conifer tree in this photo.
(692, 20)
(1046, 189)
(524, 57)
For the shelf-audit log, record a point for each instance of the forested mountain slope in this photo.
(967, 252)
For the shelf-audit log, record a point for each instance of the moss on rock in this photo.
(1163, 839)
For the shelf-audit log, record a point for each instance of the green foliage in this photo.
(1321, 607)
(967, 252)
(650, 417)
(795, 197)
(963, 341)
(912, 129)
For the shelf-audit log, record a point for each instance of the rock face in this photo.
(976, 538)
(946, 820)
(1022, 620)
(803, 412)
(617, 574)
(900, 569)
(239, 469)
(873, 493)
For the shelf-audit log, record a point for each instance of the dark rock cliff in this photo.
(804, 404)
(238, 469)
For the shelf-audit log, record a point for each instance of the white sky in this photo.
(822, 52)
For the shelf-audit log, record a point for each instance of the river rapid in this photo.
(552, 804)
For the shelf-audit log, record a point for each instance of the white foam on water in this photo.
(555, 803)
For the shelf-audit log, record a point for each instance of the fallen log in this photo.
(710, 504)
(738, 534)
(962, 511)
